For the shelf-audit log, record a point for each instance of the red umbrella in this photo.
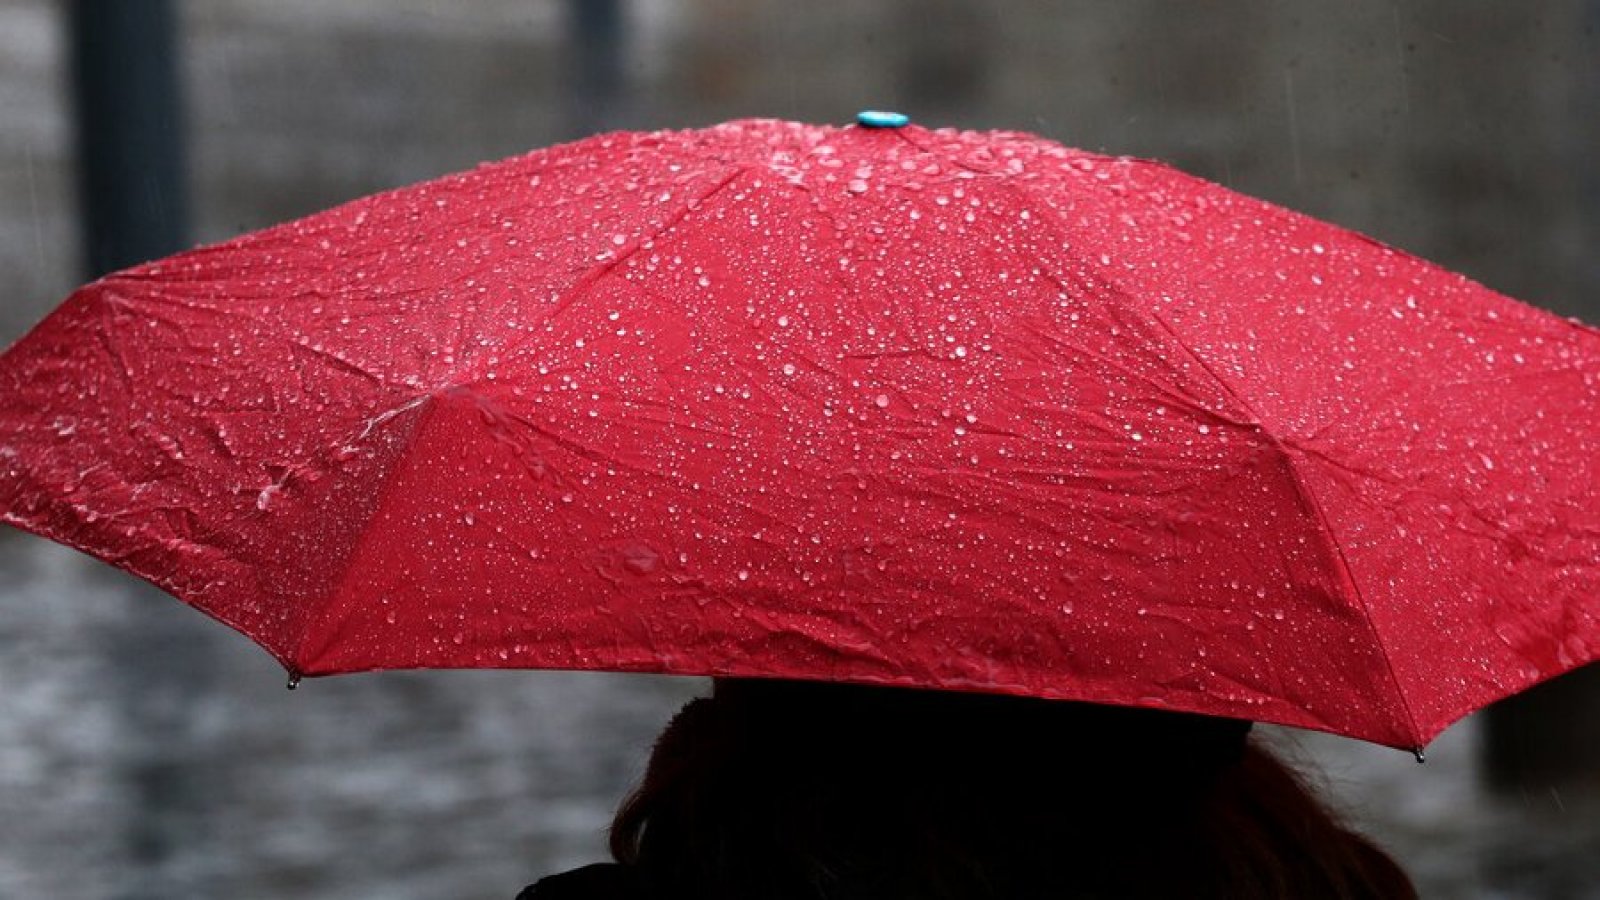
(872, 404)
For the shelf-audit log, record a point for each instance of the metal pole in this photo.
(596, 97)
(128, 114)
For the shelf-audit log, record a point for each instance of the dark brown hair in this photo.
(798, 791)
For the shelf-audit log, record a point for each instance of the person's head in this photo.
(778, 790)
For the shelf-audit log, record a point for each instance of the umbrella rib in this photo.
(1301, 490)
(1177, 398)
(1308, 498)
(593, 274)
(579, 449)
(335, 604)
(1112, 288)
(334, 361)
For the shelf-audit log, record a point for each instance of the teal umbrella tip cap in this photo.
(877, 118)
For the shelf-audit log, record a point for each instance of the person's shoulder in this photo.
(601, 881)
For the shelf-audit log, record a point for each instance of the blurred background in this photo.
(147, 752)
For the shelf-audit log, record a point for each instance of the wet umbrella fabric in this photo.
(960, 410)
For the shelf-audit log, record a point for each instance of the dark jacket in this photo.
(601, 881)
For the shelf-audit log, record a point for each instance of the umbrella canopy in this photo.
(872, 404)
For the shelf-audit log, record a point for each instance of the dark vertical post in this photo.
(129, 123)
(596, 94)
(1546, 739)
(1586, 128)
(128, 113)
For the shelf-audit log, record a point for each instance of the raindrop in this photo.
(640, 559)
(264, 499)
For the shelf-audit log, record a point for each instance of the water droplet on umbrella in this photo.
(640, 558)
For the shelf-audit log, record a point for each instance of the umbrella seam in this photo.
(1302, 491)
(318, 625)
(1307, 497)
(583, 283)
